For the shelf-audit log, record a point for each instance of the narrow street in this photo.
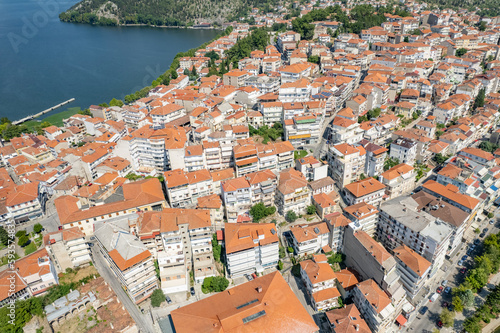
(143, 322)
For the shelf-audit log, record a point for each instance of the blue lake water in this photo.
(44, 61)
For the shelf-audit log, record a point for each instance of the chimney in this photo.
(357, 327)
(259, 289)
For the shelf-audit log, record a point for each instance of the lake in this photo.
(44, 62)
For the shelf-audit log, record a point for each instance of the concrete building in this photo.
(68, 248)
(405, 151)
(184, 188)
(346, 163)
(129, 260)
(320, 281)
(367, 190)
(237, 198)
(311, 168)
(310, 238)
(413, 269)
(250, 247)
(337, 223)
(347, 320)
(293, 194)
(363, 216)
(399, 180)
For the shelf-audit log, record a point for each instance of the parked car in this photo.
(423, 310)
(463, 270)
(439, 290)
(444, 283)
(460, 263)
(447, 290)
(254, 275)
(469, 252)
(168, 299)
(482, 235)
(249, 277)
(192, 291)
(477, 241)
(492, 222)
(440, 323)
(434, 297)
(464, 257)
(485, 230)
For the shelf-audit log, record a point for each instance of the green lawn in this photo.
(30, 248)
(5, 260)
(299, 154)
(55, 118)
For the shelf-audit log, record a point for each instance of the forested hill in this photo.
(160, 12)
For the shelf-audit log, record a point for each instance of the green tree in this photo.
(439, 158)
(447, 317)
(485, 263)
(479, 101)
(157, 298)
(406, 39)
(5, 120)
(390, 162)
(38, 228)
(291, 216)
(214, 284)
(289, 249)
(20, 233)
(194, 73)
(23, 240)
(116, 102)
(311, 209)
(45, 124)
(466, 296)
(216, 248)
(336, 258)
(477, 278)
(212, 55)
(280, 265)
(314, 59)
(85, 112)
(460, 52)
(472, 325)
(457, 303)
(4, 236)
(259, 211)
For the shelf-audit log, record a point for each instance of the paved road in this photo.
(102, 267)
(429, 320)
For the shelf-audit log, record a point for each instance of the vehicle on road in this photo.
(423, 310)
(482, 235)
(469, 252)
(460, 263)
(168, 299)
(485, 230)
(463, 270)
(477, 241)
(439, 290)
(447, 290)
(492, 222)
(439, 323)
(192, 291)
(434, 297)
(254, 275)
(444, 283)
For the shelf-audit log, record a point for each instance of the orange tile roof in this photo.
(361, 210)
(377, 298)
(373, 247)
(347, 320)
(397, 171)
(364, 187)
(225, 312)
(22, 193)
(241, 236)
(124, 264)
(317, 272)
(306, 232)
(212, 201)
(290, 180)
(9, 279)
(451, 194)
(412, 259)
(223, 174)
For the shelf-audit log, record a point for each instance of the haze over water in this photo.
(44, 61)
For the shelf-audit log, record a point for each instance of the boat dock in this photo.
(30, 117)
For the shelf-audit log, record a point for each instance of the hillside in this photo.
(159, 12)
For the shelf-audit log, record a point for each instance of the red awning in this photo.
(220, 235)
(401, 320)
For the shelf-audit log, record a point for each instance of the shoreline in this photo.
(39, 119)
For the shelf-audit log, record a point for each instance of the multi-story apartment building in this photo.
(250, 247)
(213, 203)
(237, 198)
(367, 190)
(346, 163)
(413, 269)
(22, 202)
(217, 154)
(159, 150)
(194, 158)
(402, 222)
(374, 305)
(347, 319)
(68, 248)
(263, 186)
(304, 130)
(37, 271)
(141, 195)
(405, 151)
(266, 84)
(399, 180)
(272, 112)
(235, 78)
(336, 224)
(312, 168)
(184, 188)
(310, 238)
(129, 260)
(245, 158)
(375, 157)
(363, 216)
(319, 279)
(344, 130)
(164, 114)
(293, 194)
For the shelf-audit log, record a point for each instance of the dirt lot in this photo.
(77, 275)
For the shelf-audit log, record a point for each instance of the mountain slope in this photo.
(159, 12)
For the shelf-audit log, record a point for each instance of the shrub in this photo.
(38, 228)
(157, 298)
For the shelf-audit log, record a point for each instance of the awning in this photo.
(401, 320)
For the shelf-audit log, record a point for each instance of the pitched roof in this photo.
(364, 187)
(347, 320)
(412, 259)
(266, 304)
(377, 298)
(397, 171)
(244, 236)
